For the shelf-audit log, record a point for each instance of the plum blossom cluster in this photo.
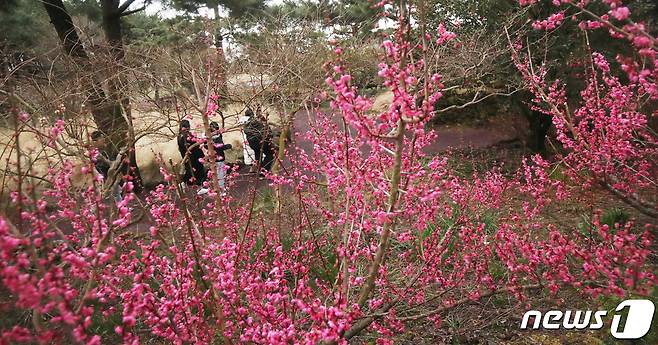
(371, 233)
(606, 133)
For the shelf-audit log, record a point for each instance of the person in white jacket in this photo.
(248, 153)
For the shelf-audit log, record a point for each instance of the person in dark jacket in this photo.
(259, 137)
(220, 147)
(195, 172)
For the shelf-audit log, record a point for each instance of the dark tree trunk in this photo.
(107, 110)
(539, 123)
(107, 114)
(222, 90)
(112, 12)
(63, 24)
(112, 27)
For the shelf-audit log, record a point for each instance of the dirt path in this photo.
(449, 138)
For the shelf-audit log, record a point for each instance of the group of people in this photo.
(191, 149)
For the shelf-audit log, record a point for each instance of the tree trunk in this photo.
(112, 27)
(284, 137)
(106, 111)
(222, 91)
(63, 24)
(114, 36)
(106, 114)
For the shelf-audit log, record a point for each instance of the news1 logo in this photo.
(635, 326)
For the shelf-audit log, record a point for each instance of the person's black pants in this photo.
(263, 148)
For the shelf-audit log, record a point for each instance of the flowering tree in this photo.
(606, 132)
(372, 234)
